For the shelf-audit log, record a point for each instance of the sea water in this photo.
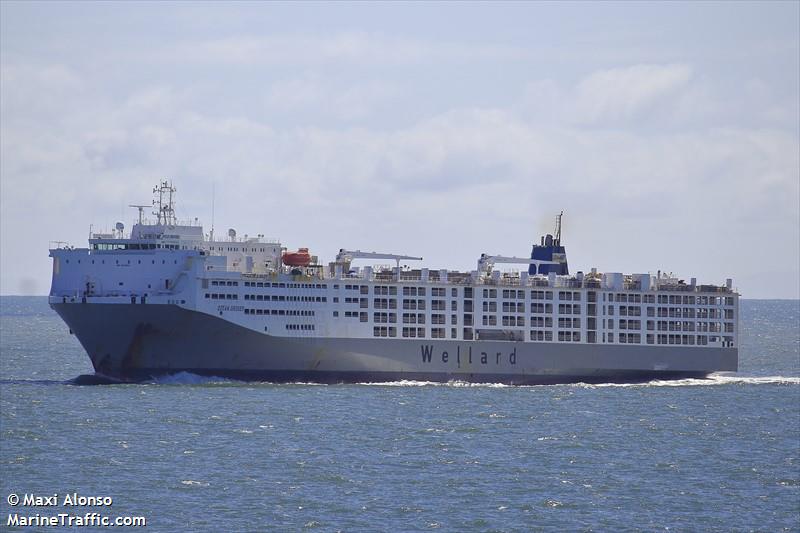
(191, 453)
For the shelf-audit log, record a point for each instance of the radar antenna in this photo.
(141, 209)
(165, 203)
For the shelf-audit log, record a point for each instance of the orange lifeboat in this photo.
(300, 258)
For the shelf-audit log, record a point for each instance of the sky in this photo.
(667, 132)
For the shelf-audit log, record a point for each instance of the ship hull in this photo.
(140, 341)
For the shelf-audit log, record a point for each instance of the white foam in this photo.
(710, 381)
(482, 385)
(400, 383)
(414, 383)
(188, 378)
(193, 483)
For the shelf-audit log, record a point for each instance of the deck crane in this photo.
(347, 256)
(486, 262)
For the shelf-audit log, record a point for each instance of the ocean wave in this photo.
(188, 378)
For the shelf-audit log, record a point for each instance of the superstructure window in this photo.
(413, 332)
(300, 327)
(540, 308)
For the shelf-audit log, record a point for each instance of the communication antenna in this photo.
(213, 196)
(165, 203)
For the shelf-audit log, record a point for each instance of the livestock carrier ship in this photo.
(167, 298)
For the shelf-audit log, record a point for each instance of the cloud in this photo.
(315, 96)
(620, 150)
(653, 98)
(611, 96)
(31, 90)
(335, 48)
(490, 160)
(621, 93)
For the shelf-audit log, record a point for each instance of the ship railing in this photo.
(260, 239)
(74, 294)
(461, 278)
(714, 288)
(149, 221)
(674, 287)
(225, 269)
(694, 288)
(258, 275)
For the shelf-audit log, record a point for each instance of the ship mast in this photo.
(558, 228)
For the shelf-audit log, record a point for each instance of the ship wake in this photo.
(711, 380)
(191, 379)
